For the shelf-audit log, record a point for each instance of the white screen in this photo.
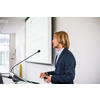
(39, 37)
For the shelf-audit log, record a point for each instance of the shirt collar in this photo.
(59, 52)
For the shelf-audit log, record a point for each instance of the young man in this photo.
(64, 63)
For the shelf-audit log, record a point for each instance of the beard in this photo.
(55, 46)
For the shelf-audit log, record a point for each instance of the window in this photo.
(4, 53)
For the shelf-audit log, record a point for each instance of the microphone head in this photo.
(38, 51)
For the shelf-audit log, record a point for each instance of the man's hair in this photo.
(62, 38)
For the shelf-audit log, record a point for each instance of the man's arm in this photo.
(67, 77)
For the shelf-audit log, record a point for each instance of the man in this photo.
(64, 63)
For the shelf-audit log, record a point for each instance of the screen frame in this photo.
(51, 19)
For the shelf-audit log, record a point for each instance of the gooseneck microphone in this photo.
(16, 78)
(24, 60)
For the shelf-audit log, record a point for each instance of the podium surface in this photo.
(14, 80)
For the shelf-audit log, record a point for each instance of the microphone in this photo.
(38, 51)
(11, 75)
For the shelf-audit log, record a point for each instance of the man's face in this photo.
(55, 42)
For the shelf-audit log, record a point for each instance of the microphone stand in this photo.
(24, 60)
(11, 75)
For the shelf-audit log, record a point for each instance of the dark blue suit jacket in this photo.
(65, 69)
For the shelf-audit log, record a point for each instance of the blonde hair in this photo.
(62, 38)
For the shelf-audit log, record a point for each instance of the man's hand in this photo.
(48, 80)
(42, 75)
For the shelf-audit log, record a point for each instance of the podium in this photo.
(14, 80)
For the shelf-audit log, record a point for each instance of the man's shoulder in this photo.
(69, 56)
(68, 53)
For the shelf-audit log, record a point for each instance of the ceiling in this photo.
(11, 24)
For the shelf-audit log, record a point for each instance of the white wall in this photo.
(20, 50)
(84, 35)
(12, 50)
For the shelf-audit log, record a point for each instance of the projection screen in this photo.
(39, 37)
